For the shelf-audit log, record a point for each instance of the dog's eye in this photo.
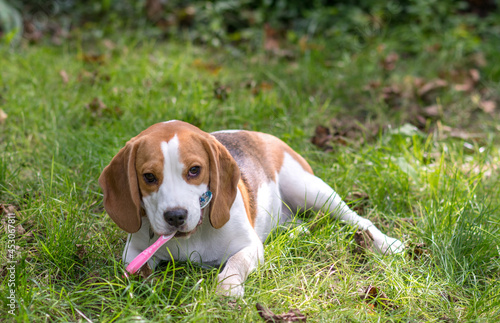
(149, 178)
(194, 171)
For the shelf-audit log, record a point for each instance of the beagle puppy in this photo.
(152, 187)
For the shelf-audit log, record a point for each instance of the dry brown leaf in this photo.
(3, 116)
(256, 88)
(431, 86)
(479, 59)
(462, 134)
(99, 109)
(433, 48)
(31, 32)
(109, 44)
(372, 85)
(7, 209)
(470, 80)
(321, 138)
(391, 95)
(465, 87)
(474, 75)
(419, 250)
(212, 68)
(20, 230)
(145, 271)
(221, 92)
(271, 39)
(233, 304)
(64, 76)
(389, 62)
(8, 213)
(364, 241)
(432, 110)
(93, 58)
(488, 106)
(373, 294)
(293, 315)
(305, 45)
(96, 106)
(81, 251)
(360, 198)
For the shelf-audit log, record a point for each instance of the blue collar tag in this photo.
(205, 198)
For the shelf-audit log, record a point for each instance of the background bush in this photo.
(238, 22)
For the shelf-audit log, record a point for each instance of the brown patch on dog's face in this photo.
(195, 159)
(149, 166)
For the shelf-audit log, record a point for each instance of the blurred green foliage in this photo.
(242, 21)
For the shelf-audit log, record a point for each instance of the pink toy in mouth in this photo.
(144, 256)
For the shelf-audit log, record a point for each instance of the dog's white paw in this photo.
(230, 286)
(387, 245)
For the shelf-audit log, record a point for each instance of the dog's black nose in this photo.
(175, 217)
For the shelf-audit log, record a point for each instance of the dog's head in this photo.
(164, 171)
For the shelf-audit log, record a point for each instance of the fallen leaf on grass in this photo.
(462, 134)
(488, 106)
(375, 296)
(293, 315)
(417, 251)
(7, 209)
(64, 76)
(256, 88)
(109, 44)
(145, 271)
(372, 85)
(93, 58)
(390, 94)
(31, 32)
(389, 62)
(305, 45)
(96, 106)
(360, 199)
(431, 86)
(221, 92)
(345, 130)
(233, 304)
(99, 109)
(468, 78)
(3, 116)
(433, 48)
(212, 68)
(432, 110)
(363, 240)
(321, 137)
(81, 251)
(273, 38)
(9, 220)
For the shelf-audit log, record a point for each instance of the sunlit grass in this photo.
(439, 195)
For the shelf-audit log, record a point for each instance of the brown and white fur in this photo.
(153, 185)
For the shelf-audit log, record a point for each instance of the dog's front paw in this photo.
(387, 245)
(230, 286)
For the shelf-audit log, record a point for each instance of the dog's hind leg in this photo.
(303, 189)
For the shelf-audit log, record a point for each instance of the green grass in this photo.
(435, 191)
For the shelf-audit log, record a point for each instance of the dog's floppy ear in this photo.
(121, 189)
(224, 177)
